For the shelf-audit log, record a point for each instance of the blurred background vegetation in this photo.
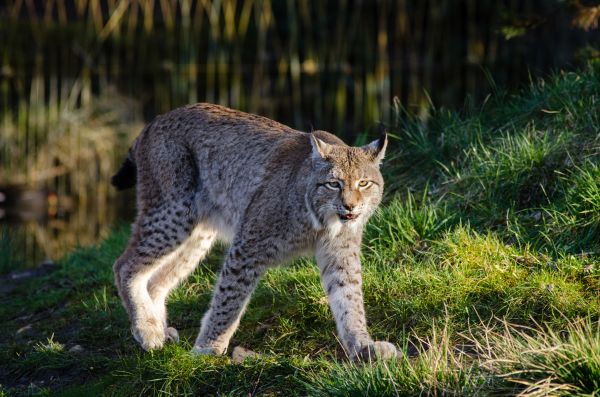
(78, 78)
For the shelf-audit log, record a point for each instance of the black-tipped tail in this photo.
(125, 178)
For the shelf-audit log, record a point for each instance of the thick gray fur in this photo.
(206, 172)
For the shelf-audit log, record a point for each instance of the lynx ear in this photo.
(320, 149)
(376, 149)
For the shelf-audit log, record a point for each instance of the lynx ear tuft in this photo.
(376, 149)
(320, 149)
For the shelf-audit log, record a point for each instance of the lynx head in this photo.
(346, 182)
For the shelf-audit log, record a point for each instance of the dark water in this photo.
(30, 235)
(322, 64)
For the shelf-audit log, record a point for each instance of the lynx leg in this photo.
(170, 274)
(156, 240)
(239, 277)
(342, 280)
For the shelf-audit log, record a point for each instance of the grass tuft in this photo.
(544, 361)
(405, 225)
(438, 369)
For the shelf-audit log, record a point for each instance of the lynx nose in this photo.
(349, 207)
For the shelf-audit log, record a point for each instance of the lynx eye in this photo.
(364, 184)
(333, 185)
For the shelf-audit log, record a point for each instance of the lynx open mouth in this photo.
(348, 217)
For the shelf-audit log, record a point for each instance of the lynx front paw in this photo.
(150, 336)
(377, 351)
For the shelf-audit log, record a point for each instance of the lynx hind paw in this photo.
(377, 351)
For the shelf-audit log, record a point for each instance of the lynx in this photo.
(206, 172)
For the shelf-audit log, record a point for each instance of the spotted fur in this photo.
(206, 172)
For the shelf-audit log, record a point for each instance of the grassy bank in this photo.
(482, 265)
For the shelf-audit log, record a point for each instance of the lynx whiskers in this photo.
(206, 172)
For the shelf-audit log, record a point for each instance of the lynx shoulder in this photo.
(205, 172)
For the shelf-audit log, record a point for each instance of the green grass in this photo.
(482, 265)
